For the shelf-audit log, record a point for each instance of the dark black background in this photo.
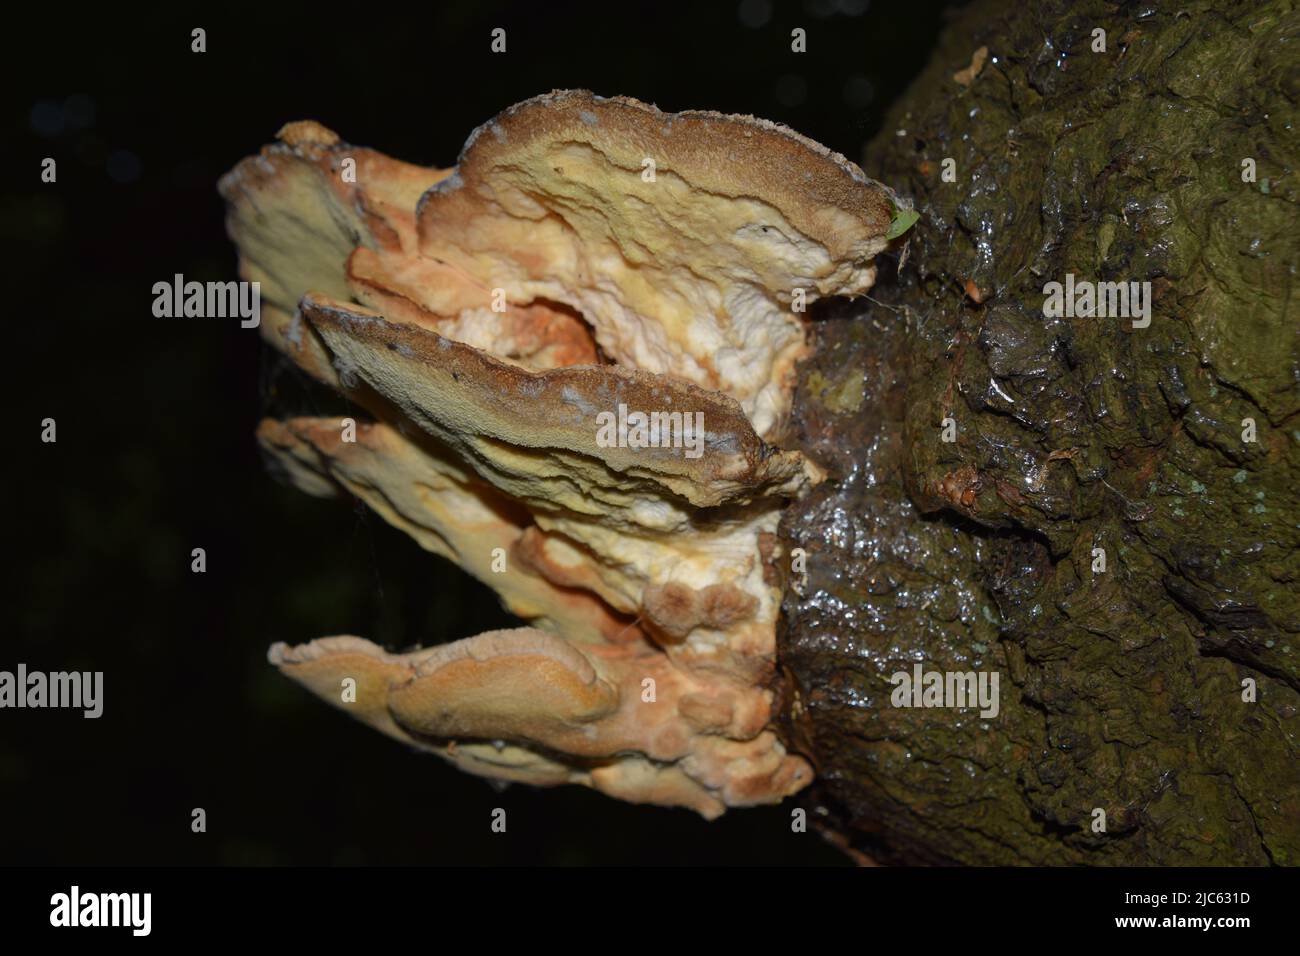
(155, 452)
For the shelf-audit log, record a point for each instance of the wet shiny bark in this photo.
(1121, 690)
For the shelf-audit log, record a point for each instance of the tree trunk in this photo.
(1113, 531)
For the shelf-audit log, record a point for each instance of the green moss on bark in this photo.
(1121, 689)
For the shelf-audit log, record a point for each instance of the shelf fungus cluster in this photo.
(575, 353)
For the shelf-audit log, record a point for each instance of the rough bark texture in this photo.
(1123, 689)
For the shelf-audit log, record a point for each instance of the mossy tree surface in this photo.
(1121, 690)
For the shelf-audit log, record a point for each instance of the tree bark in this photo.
(1125, 690)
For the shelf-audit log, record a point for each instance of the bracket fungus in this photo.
(576, 352)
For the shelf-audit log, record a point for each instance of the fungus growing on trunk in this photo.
(577, 352)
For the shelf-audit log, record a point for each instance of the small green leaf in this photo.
(903, 220)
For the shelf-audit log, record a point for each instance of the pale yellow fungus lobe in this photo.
(576, 352)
